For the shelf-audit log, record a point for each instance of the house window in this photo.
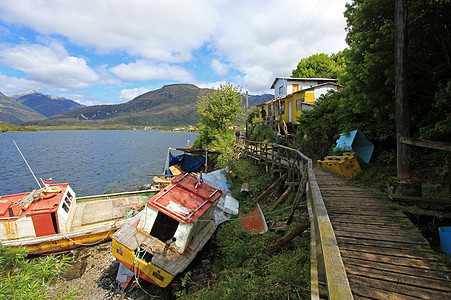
(295, 87)
(299, 103)
(280, 89)
(269, 109)
(282, 107)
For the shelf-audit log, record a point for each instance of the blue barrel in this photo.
(356, 142)
(445, 239)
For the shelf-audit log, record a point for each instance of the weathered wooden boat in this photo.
(166, 236)
(52, 219)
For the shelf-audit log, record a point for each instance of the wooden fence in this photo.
(327, 269)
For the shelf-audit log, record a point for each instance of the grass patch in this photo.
(5, 127)
(25, 278)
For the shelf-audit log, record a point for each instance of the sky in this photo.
(110, 51)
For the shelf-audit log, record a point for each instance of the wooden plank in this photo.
(419, 200)
(281, 198)
(406, 253)
(379, 237)
(385, 244)
(366, 213)
(390, 268)
(270, 189)
(371, 230)
(394, 260)
(399, 288)
(362, 291)
(398, 278)
(374, 224)
(367, 218)
(425, 143)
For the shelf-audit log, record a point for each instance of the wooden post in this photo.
(297, 199)
(284, 195)
(270, 189)
(247, 102)
(401, 99)
(300, 228)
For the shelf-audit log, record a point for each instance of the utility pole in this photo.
(401, 99)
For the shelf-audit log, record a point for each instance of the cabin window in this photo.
(281, 89)
(68, 199)
(65, 207)
(164, 227)
(270, 109)
(299, 103)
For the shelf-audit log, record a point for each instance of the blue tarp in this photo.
(355, 141)
(187, 162)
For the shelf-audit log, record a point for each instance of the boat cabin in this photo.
(178, 213)
(37, 213)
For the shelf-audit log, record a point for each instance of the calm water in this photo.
(91, 161)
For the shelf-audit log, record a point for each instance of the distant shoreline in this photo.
(5, 127)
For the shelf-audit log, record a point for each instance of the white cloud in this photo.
(167, 30)
(273, 36)
(143, 70)
(259, 39)
(129, 94)
(13, 85)
(50, 65)
(219, 68)
(210, 85)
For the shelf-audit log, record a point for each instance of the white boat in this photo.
(53, 219)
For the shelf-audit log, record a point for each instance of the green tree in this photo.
(320, 66)
(217, 110)
(369, 75)
(220, 107)
(367, 100)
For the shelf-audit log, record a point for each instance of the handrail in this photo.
(326, 263)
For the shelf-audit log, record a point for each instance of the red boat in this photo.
(52, 219)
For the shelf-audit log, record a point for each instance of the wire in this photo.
(242, 218)
(318, 10)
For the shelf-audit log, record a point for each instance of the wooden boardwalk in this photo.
(384, 254)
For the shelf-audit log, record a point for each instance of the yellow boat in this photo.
(166, 236)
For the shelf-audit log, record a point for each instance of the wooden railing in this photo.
(327, 269)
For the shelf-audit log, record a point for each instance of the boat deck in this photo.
(105, 209)
(168, 260)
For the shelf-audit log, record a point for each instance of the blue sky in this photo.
(110, 51)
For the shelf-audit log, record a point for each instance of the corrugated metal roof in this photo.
(254, 220)
(302, 79)
(185, 199)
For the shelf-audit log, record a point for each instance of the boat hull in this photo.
(67, 244)
(142, 269)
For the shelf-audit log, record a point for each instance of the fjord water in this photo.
(91, 161)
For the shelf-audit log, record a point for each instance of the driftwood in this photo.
(300, 228)
(271, 188)
(281, 198)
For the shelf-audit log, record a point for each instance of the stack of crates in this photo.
(346, 165)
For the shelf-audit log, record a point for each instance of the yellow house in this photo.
(286, 109)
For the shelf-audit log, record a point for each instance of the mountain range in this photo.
(46, 105)
(171, 105)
